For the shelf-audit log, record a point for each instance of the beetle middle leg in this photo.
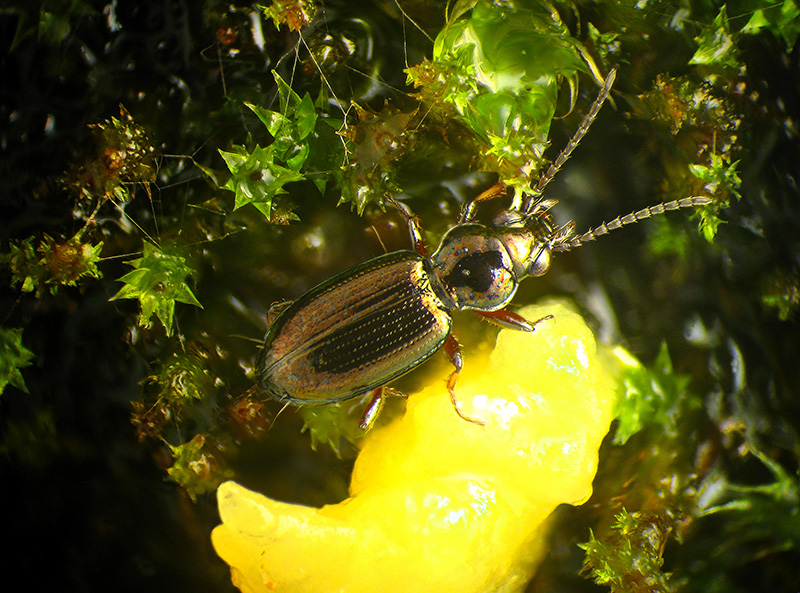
(510, 320)
(374, 407)
(453, 351)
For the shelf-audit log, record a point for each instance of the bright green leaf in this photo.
(258, 175)
(781, 19)
(607, 44)
(629, 559)
(716, 43)
(497, 65)
(302, 111)
(721, 180)
(295, 14)
(51, 265)
(299, 149)
(272, 120)
(295, 120)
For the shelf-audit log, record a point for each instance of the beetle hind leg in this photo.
(453, 351)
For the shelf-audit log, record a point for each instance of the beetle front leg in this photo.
(510, 320)
(453, 351)
(468, 212)
(414, 229)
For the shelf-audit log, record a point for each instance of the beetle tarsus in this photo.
(510, 320)
(453, 351)
(451, 388)
(461, 414)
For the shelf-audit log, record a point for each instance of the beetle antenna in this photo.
(565, 243)
(575, 140)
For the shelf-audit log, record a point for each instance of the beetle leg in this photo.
(453, 351)
(468, 212)
(414, 229)
(276, 309)
(510, 320)
(372, 410)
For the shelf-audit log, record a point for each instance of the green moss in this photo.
(158, 282)
(13, 358)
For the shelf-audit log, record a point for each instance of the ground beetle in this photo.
(368, 325)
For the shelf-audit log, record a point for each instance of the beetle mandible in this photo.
(363, 328)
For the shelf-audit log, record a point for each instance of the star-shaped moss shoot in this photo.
(158, 281)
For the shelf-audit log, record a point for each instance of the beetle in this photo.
(361, 329)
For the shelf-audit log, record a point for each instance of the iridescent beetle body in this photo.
(375, 322)
(355, 332)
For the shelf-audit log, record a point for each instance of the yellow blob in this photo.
(438, 504)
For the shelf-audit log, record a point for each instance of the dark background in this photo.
(88, 505)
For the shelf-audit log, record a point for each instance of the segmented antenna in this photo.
(566, 243)
(574, 141)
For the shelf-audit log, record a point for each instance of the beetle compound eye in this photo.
(540, 264)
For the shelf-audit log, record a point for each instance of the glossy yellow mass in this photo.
(438, 504)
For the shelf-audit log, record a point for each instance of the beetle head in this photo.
(528, 238)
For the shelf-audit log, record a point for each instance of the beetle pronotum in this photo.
(363, 328)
